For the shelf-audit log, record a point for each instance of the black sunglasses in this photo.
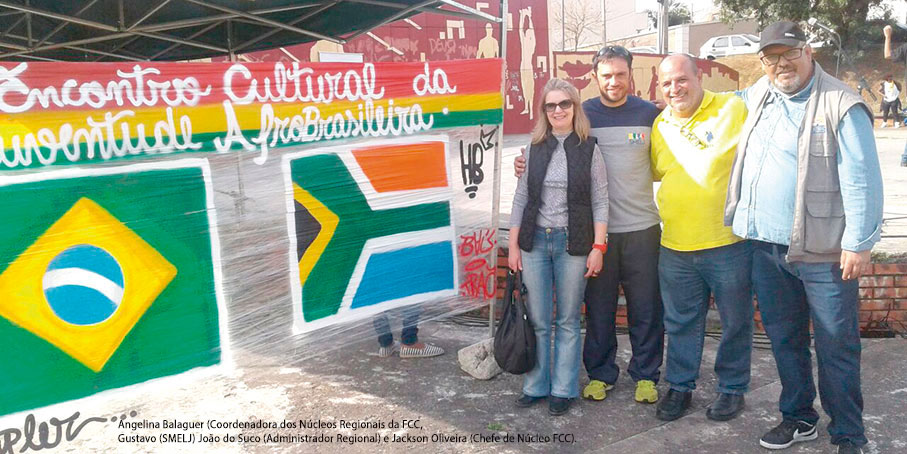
(619, 50)
(564, 105)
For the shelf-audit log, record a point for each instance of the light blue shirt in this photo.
(769, 180)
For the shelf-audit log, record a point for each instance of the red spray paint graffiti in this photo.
(479, 276)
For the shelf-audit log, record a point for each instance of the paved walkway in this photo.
(351, 392)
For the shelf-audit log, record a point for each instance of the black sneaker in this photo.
(849, 448)
(527, 401)
(788, 433)
(558, 406)
(674, 405)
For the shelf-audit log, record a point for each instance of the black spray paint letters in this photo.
(46, 435)
(471, 157)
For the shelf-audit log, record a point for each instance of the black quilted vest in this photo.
(580, 233)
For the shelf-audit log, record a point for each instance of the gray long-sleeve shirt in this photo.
(553, 206)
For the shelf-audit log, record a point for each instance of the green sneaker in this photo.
(646, 392)
(596, 390)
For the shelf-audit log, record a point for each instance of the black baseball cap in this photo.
(783, 32)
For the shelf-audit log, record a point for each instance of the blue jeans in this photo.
(410, 332)
(790, 295)
(687, 279)
(546, 267)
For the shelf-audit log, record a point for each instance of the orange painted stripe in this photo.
(404, 167)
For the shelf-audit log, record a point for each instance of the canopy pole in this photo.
(496, 192)
(28, 25)
(239, 202)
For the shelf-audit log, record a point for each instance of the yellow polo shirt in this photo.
(693, 157)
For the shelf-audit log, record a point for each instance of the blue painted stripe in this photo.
(406, 272)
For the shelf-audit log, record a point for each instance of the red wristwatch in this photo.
(601, 247)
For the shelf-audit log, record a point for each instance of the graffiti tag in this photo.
(479, 279)
(472, 156)
(38, 436)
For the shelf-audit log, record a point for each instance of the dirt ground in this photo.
(872, 66)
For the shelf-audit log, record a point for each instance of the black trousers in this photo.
(631, 262)
(891, 107)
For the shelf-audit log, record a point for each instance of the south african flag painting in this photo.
(371, 229)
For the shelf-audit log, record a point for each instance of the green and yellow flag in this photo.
(107, 280)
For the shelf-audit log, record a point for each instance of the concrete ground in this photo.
(891, 143)
(437, 399)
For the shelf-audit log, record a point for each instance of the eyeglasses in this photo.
(618, 50)
(789, 55)
(564, 105)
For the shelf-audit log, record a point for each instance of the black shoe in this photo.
(726, 407)
(558, 406)
(849, 448)
(674, 405)
(788, 433)
(527, 401)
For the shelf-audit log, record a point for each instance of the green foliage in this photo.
(889, 257)
(678, 14)
(846, 17)
(495, 426)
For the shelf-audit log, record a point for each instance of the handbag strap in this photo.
(523, 290)
(512, 279)
(521, 299)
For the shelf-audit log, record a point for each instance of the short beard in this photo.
(791, 86)
(604, 95)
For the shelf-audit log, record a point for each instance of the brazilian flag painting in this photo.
(107, 279)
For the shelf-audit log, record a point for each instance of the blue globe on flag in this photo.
(83, 285)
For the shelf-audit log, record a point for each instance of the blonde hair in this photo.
(542, 128)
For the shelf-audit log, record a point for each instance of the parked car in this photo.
(722, 46)
(643, 50)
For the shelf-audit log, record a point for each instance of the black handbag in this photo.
(514, 342)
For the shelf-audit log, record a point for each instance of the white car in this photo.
(722, 46)
(643, 50)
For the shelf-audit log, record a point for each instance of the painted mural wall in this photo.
(159, 217)
(576, 67)
(435, 37)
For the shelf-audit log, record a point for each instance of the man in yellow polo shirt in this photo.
(693, 146)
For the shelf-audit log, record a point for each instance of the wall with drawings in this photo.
(434, 37)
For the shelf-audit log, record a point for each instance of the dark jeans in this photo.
(409, 334)
(790, 295)
(892, 109)
(687, 280)
(631, 262)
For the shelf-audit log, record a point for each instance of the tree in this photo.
(846, 17)
(678, 14)
(582, 21)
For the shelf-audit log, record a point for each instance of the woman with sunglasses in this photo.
(558, 238)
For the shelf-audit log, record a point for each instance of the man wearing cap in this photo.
(806, 189)
(899, 55)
